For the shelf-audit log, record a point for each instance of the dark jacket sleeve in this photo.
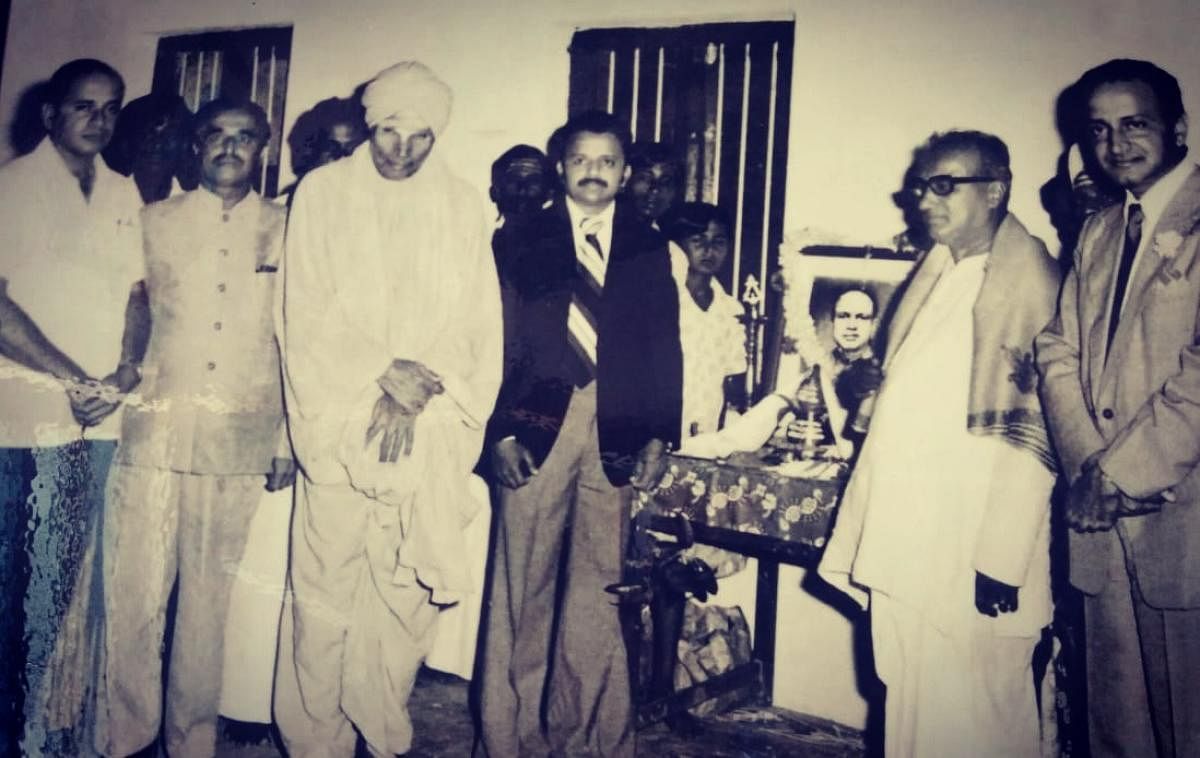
(664, 391)
(533, 395)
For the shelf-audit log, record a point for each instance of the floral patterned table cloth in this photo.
(794, 501)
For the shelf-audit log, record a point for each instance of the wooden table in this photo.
(776, 514)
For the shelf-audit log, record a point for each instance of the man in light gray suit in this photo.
(1121, 389)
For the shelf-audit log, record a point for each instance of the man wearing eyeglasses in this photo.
(944, 532)
(1121, 370)
(196, 441)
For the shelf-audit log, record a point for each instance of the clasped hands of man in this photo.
(513, 464)
(407, 388)
(93, 400)
(1094, 502)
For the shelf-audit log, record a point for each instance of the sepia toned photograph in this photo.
(402, 377)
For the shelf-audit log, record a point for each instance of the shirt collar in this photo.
(577, 215)
(603, 235)
(1156, 199)
(60, 177)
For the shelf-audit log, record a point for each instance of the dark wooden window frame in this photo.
(721, 94)
(248, 63)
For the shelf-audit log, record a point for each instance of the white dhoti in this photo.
(351, 640)
(953, 695)
(929, 506)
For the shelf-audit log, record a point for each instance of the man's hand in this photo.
(282, 474)
(650, 466)
(125, 378)
(93, 401)
(1093, 502)
(1129, 506)
(394, 426)
(993, 597)
(1132, 506)
(410, 385)
(512, 463)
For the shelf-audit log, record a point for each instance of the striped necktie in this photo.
(586, 291)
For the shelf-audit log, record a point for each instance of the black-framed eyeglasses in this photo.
(942, 184)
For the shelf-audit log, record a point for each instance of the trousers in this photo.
(159, 527)
(555, 674)
(1143, 664)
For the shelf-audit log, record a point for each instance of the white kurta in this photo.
(406, 273)
(377, 270)
(919, 518)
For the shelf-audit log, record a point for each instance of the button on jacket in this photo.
(210, 401)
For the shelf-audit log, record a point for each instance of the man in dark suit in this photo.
(1121, 389)
(590, 405)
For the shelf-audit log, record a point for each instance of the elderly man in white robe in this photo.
(391, 332)
(944, 525)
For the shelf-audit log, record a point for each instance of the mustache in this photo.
(597, 182)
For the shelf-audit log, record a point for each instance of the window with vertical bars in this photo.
(720, 94)
(244, 63)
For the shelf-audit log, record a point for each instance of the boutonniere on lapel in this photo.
(1166, 247)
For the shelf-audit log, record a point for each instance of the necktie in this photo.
(585, 301)
(593, 253)
(1133, 238)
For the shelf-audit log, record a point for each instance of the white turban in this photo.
(408, 88)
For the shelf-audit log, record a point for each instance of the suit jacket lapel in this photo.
(1178, 221)
(1104, 254)
(1180, 217)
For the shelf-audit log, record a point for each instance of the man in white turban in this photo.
(390, 328)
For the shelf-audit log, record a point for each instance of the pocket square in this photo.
(265, 268)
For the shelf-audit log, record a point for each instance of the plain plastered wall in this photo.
(870, 80)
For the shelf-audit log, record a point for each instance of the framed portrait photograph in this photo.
(836, 302)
